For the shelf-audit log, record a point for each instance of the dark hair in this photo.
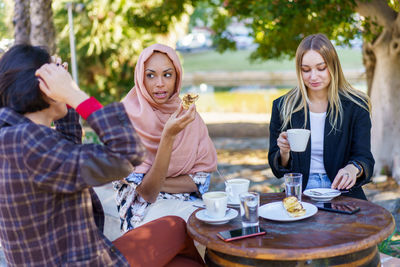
(19, 87)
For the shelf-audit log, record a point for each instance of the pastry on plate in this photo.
(189, 99)
(293, 207)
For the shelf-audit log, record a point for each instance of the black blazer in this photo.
(351, 141)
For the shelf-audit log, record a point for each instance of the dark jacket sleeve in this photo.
(361, 144)
(274, 131)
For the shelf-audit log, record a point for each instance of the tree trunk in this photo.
(21, 22)
(385, 96)
(369, 62)
(42, 27)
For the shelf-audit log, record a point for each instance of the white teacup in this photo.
(215, 204)
(298, 139)
(234, 187)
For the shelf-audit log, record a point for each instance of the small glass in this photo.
(293, 184)
(249, 203)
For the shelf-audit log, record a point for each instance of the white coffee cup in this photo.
(234, 187)
(215, 204)
(298, 139)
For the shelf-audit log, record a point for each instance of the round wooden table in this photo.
(325, 239)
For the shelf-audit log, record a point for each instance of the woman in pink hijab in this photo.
(180, 153)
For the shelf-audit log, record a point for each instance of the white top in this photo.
(317, 126)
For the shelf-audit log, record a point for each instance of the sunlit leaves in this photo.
(394, 4)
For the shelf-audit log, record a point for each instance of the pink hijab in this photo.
(193, 150)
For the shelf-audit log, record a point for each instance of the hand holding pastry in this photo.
(189, 99)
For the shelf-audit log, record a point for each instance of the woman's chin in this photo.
(160, 101)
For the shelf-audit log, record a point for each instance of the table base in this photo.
(367, 257)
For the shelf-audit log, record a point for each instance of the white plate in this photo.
(327, 194)
(276, 212)
(230, 214)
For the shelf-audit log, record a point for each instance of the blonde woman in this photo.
(338, 154)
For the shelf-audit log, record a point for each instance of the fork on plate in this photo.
(316, 193)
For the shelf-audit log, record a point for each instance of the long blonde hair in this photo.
(297, 98)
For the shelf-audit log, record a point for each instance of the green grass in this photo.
(252, 102)
(239, 61)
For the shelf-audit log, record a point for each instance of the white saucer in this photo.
(233, 204)
(322, 194)
(230, 214)
(276, 212)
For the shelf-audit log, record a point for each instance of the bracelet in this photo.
(358, 166)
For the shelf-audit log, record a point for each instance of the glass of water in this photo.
(293, 184)
(249, 203)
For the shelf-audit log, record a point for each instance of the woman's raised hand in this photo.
(179, 120)
(57, 84)
(57, 60)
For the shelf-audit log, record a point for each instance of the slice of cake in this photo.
(293, 206)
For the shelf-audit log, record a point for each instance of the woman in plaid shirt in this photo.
(49, 213)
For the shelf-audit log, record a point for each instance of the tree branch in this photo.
(377, 10)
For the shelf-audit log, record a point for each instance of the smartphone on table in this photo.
(240, 233)
(338, 207)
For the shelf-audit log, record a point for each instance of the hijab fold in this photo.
(193, 150)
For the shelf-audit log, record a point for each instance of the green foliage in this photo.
(110, 34)
(279, 25)
(5, 19)
(90, 137)
(394, 4)
(201, 15)
(391, 245)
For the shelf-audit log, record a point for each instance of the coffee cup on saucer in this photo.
(234, 187)
(216, 203)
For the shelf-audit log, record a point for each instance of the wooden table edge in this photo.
(299, 254)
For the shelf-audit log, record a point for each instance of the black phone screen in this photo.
(338, 207)
(241, 233)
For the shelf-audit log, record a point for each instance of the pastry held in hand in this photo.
(189, 99)
(293, 206)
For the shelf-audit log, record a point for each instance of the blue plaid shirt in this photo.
(49, 214)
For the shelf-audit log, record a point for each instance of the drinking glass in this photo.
(249, 203)
(293, 184)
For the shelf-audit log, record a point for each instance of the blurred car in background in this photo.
(239, 33)
(194, 41)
